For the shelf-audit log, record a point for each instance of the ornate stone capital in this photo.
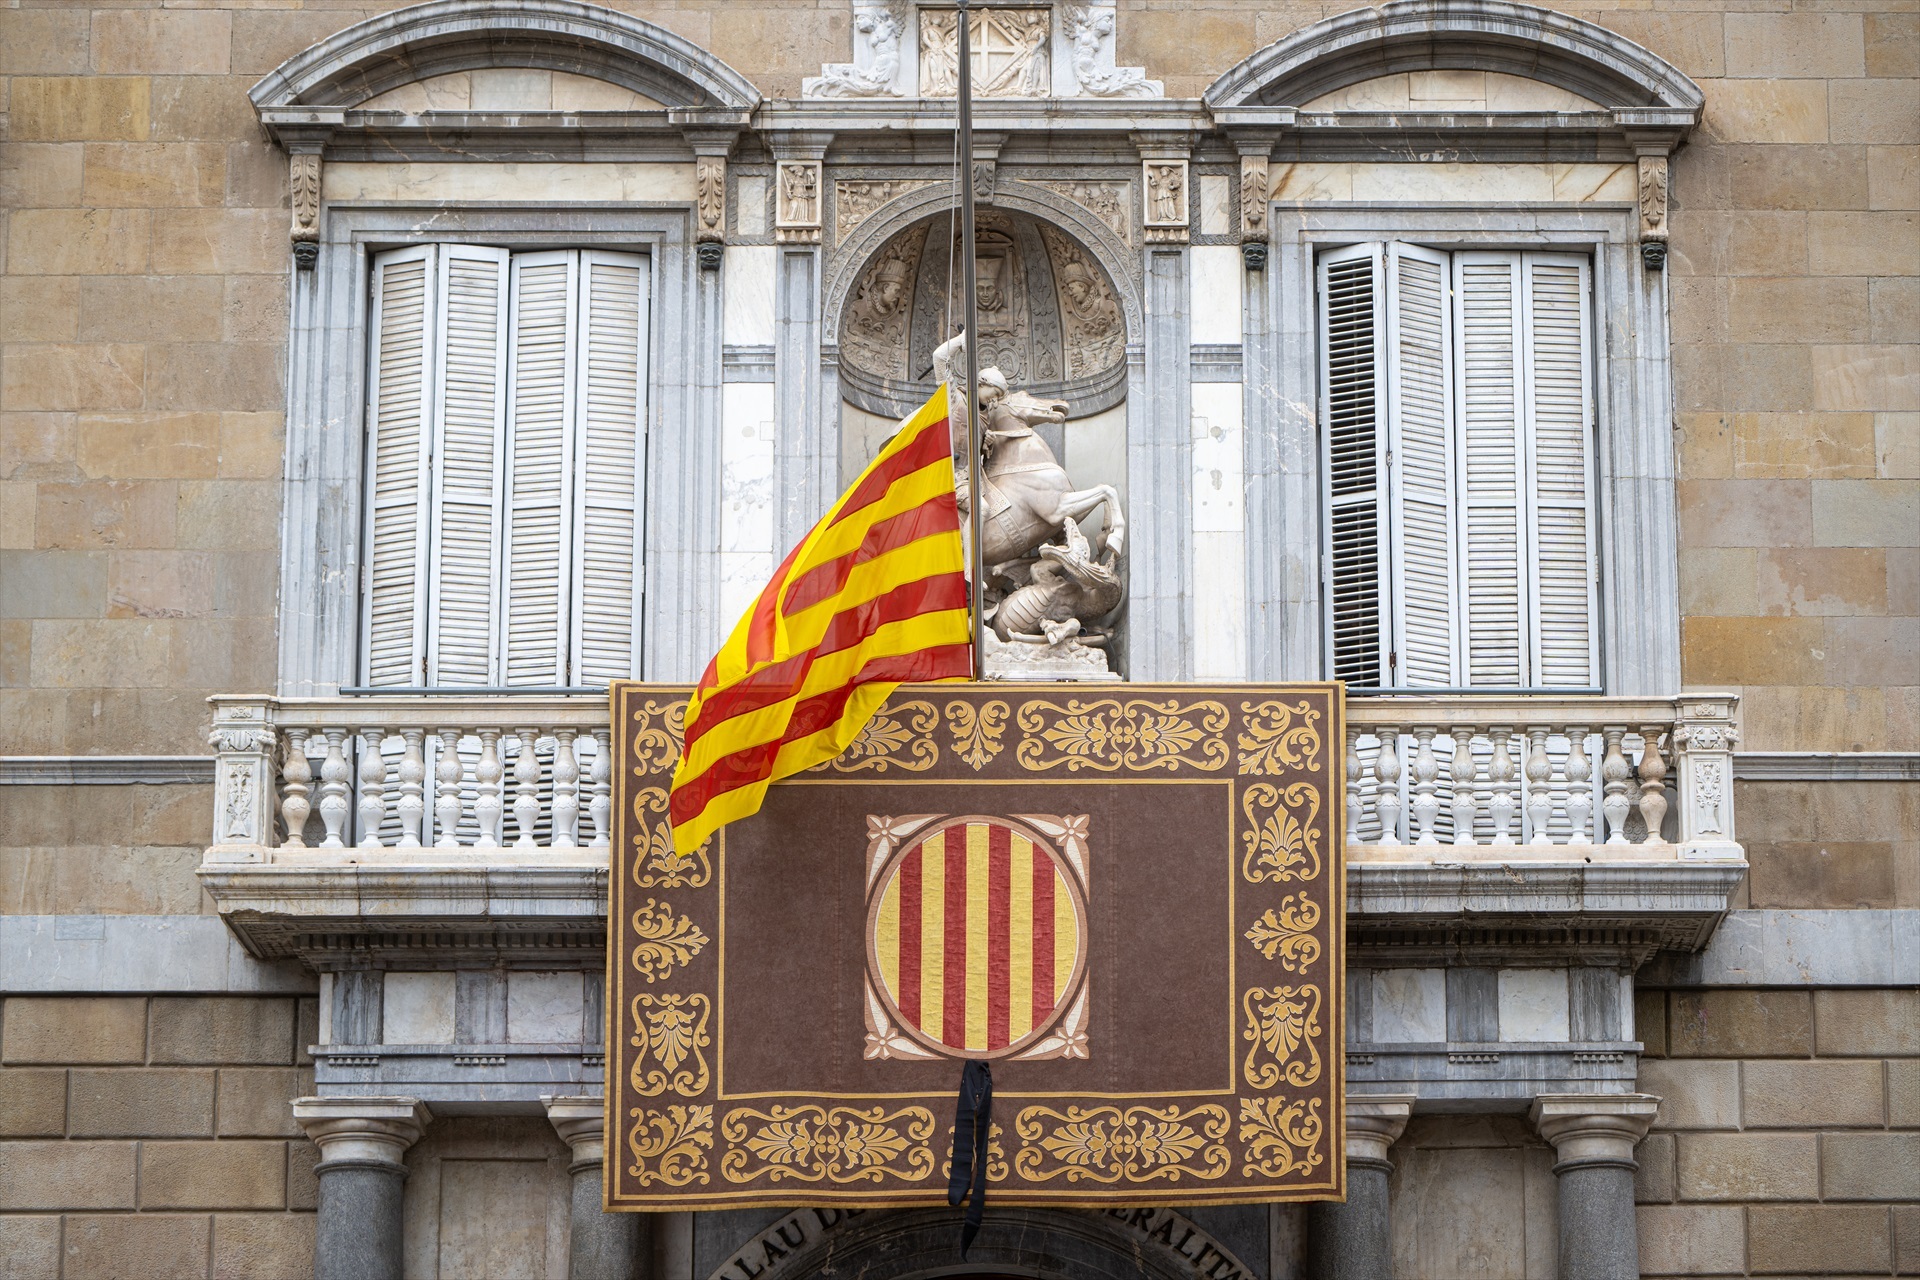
(581, 1123)
(363, 1130)
(1375, 1122)
(1593, 1129)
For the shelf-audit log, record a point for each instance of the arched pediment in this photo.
(1455, 35)
(446, 37)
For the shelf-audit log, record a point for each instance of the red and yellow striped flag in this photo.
(874, 596)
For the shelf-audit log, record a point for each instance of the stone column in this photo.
(363, 1142)
(605, 1246)
(1594, 1136)
(1351, 1241)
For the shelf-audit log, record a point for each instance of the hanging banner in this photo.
(1128, 900)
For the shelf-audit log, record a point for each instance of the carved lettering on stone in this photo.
(1107, 201)
(1009, 50)
(796, 211)
(710, 197)
(875, 68)
(1253, 197)
(1095, 329)
(854, 200)
(1089, 28)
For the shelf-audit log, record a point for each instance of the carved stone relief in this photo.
(1090, 30)
(1166, 199)
(303, 187)
(1653, 211)
(1048, 315)
(710, 199)
(854, 199)
(1010, 48)
(796, 206)
(1107, 201)
(875, 70)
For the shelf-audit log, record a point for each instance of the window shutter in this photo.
(611, 436)
(539, 464)
(399, 432)
(468, 465)
(1556, 364)
(1487, 299)
(1419, 385)
(1351, 391)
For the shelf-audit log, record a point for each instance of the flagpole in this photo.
(969, 307)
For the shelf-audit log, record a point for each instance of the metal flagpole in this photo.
(969, 289)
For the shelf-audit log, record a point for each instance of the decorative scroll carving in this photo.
(1167, 198)
(668, 1031)
(237, 823)
(1283, 842)
(1253, 197)
(710, 197)
(1280, 1022)
(1653, 211)
(1107, 201)
(827, 1144)
(658, 865)
(997, 1167)
(1286, 934)
(668, 1145)
(1270, 741)
(664, 940)
(1090, 27)
(854, 200)
(1106, 734)
(796, 205)
(1010, 50)
(1106, 1144)
(976, 733)
(1280, 1135)
(875, 68)
(303, 191)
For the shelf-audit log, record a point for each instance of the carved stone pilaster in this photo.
(1703, 737)
(243, 781)
(1653, 211)
(303, 197)
(710, 208)
(1253, 211)
(797, 201)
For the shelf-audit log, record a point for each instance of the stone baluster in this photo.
(604, 1246)
(1426, 795)
(566, 791)
(1356, 803)
(1464, 799)
(446, 790)
(1579, 785)
(1613, 771)
(412, 804)
(1593, 1137)
(1353, 1240)
(373, 787)
(1500, 781)
(296, 778)
(600, 808)
(1386, 772)
(1653, 784)
(362, 1172)
(488, 804)
(526, 779)
(334, 772)
(1539, 786)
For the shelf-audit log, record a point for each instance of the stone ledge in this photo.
(109, 771)
(146, 954)
(1500, 1077)
(1840, 947)
(473, 1079)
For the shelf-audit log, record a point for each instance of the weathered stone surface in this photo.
(150, 309)
(80, 108)
(1759, 650)
(1872, 111)
(109, 654)
(39, 175)
(77, 242)
(1693, 1094)
(150, 175)
(1906, 1239)
(257, 1102)
(1650, 1022)
(75, 375)
(160, 584)
(106, 514)
(82, 1029)
(1788, 44)
(66, 1175)
(1866, 377)
(252, 445)
(303, 1185)
(142, 1102)
(228, 1174)
(1833, 874)
(1821, 1238)
(1893, 178)
(220, 241)
(1822, 581)
(236, 1030)
(33, 1102)
(161, 41)
(154, 1246)
(251, 1245)
(214, 376)
(1771, 111)
(53, 584)
(1870, 1166)
(1866, 513)
(1868, 1022)
(148, 446)
(1903, 1094)
(228, 514)
(1792, 178)
(29, 1246)
(1794, 1095)
(1747, 1166)
(1653, 1181)
(1745, 513)
(1692, 1240)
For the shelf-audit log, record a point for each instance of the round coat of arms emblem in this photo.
(977, 938)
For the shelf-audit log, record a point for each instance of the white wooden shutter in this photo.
(1493, 462)
(611, 437)
(1556, 366)
(1420, 410)
(539, 466)
(399, 436)
(468, 466)
(1352, 333)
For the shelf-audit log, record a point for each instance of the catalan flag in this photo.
(874, 596)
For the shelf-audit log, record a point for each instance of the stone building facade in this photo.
(1645, 974)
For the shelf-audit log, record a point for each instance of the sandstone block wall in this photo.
(1838, 845)
(151, 1136)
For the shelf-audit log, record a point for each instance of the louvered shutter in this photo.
(469, 465)
(1556, 365)
(1420, 410)
(1351, 392)
(1493, 463)
(610, 430)
(399, 436)
(541, 355)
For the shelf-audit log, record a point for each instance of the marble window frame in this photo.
(323, 486)
(1286, 485)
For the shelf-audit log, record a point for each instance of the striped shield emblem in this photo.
(977, 936)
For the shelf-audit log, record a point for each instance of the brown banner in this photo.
(1127, 898)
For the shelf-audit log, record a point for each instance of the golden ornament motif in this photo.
(997, 1170)
(658, 865)
(1106, 1144)
(1107, 734)
(672, 1029)
(908, 727)
(665, 941)
(976, 730)
(656, 746)
(1270, 740)
(1287, 935)
(673, 1140)
(1281, 1136)
(815, 1144)
(1282, 843)
(1280, 1021)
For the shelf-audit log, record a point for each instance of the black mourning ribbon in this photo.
(972, 1124)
